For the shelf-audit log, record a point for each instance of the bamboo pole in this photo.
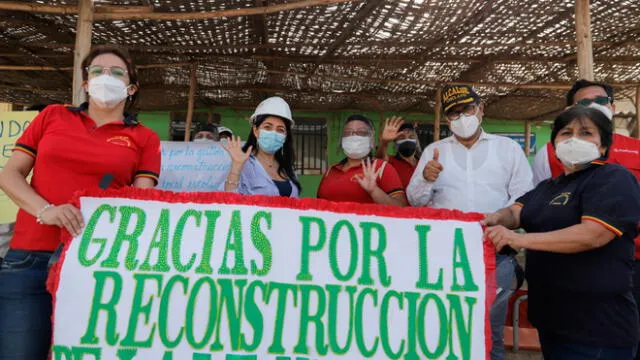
(638, 112)
(38, 8)
(182, 48)
(144, 13)
(193, 81)
(438, 115)
(583, 40)
(83, 46)
(70, 68)
(527, 138)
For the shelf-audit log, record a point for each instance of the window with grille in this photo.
(179, 123)
(425, 133)
(310, 141)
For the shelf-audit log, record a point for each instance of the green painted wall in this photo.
(157, 121)
(238, 121)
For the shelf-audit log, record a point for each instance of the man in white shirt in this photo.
(473, 171)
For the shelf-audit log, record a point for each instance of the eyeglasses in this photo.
(97, 70)
(600, 100)
(347, 133)
(453, 115)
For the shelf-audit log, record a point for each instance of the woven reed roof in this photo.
(369, 55)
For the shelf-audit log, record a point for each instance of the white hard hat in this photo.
(274, 106)
(222, 129)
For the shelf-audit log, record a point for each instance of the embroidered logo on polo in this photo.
(561, 199)
(120, 140)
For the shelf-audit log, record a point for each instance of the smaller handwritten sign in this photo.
(12, 125)
(191, 167)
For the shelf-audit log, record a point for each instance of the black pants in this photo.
(636, 291)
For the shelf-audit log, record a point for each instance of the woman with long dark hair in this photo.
(68, 149)
(264, 164)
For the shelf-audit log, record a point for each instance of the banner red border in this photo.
(290, 203)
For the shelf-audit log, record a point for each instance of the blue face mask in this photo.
(270, 141)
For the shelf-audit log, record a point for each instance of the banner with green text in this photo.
(199, 276)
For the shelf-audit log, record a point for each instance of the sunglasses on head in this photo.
(600, 100)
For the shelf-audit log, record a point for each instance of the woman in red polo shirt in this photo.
(408, 150)
(357, 178)
(68, 149)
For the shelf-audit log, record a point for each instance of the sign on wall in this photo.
(190, 167)
(12, 125)
(160, 275)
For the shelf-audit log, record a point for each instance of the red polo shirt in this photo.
(404, 168)
(342, 186)
(624, 151)
(71, 153)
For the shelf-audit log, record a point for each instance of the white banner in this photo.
(191, 167)
(248, 278)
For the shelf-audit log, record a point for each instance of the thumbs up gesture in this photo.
(433, 168)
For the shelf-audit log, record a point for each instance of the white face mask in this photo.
(203, 141)
(574, 152)
(603, 109)
(356, 147)
(465, 126)
(107, 91)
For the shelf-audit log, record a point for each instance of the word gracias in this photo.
(241, 302)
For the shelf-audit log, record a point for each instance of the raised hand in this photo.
(433, 168)
(234, 148)
(390, 131)
(368, 178)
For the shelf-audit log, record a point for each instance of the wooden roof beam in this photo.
(144, 13)
(71, 9)
(583, 39)
(69, 68)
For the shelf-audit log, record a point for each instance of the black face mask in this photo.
(407, 148)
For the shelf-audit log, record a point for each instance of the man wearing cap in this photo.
(224, 133)
(624, 150)
(473, 171)
(206, 134)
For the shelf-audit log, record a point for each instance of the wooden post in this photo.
(83, 46)
(583, 40)
(527, 137)
(638, 112)
(192, 99)
(438, 113)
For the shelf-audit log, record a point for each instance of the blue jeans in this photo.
(556, 349)
(505, 275)
(25, 306)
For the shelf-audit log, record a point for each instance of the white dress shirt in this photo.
(489, 176)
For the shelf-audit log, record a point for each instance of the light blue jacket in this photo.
(254, 180)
